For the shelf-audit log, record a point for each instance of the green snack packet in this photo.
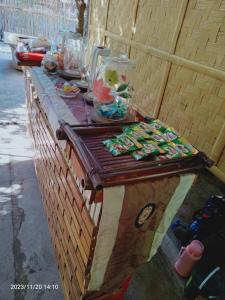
(152, 146)
(170, 134)
(157, 125)
(115, 146)
(183, 144)
(171, 151)
(138, 154)
(158, 137)
(121, 144)
(148, 148)
(137, 134)
(183, 150)
(143, 126)
(108, 142)
(129, 141)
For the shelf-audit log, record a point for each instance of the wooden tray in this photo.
(104, 169)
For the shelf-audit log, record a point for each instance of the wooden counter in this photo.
(99, 236)
(72, 226)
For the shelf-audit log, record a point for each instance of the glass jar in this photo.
(112, 89)
(71, 49)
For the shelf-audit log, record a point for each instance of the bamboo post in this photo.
(81, 6)
(106, 19)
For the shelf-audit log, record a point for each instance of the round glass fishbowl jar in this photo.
(112, 89)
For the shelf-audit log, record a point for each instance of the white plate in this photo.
(68, 95)
(82, 84)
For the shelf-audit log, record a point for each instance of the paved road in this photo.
(26, 255)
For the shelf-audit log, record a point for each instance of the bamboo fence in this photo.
(179, 49)
(37, 17)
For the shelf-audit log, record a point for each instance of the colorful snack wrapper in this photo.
(182, 149)
(157, 125)
(108, 142)
(158, 137)
(115, 146)
(182, 142)
(170, 134)
(143, 126)
(148, 148)
(122, 144)
(137, 133)
(139, 154)
(171, 151)
(130, 141)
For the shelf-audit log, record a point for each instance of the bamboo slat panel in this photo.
(95, 38)
(156, 21)
(116, 47)
(146, 85)
(121, 17)
(202, 36)
(187, 105)
(99, 12)
(179, 48)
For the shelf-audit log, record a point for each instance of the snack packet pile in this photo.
(148, 148)
(153, 140)
(122, 144)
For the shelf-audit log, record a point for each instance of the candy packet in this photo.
(170, 134)
(158, 137)
(183, 144)
(182, 149)
(171, 151)
(129, 141)
(143, 126)
(157, 125)
(136, 133)
(115, 146)
(121, 144)
(148, 148)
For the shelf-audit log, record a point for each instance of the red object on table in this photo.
(30, 56)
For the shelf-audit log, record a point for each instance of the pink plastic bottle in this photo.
(188, 257)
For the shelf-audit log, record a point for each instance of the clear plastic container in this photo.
(112, 89)
(71, 49)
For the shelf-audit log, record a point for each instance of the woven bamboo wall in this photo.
(179, 48)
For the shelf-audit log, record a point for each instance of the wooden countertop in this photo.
(52, 104)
